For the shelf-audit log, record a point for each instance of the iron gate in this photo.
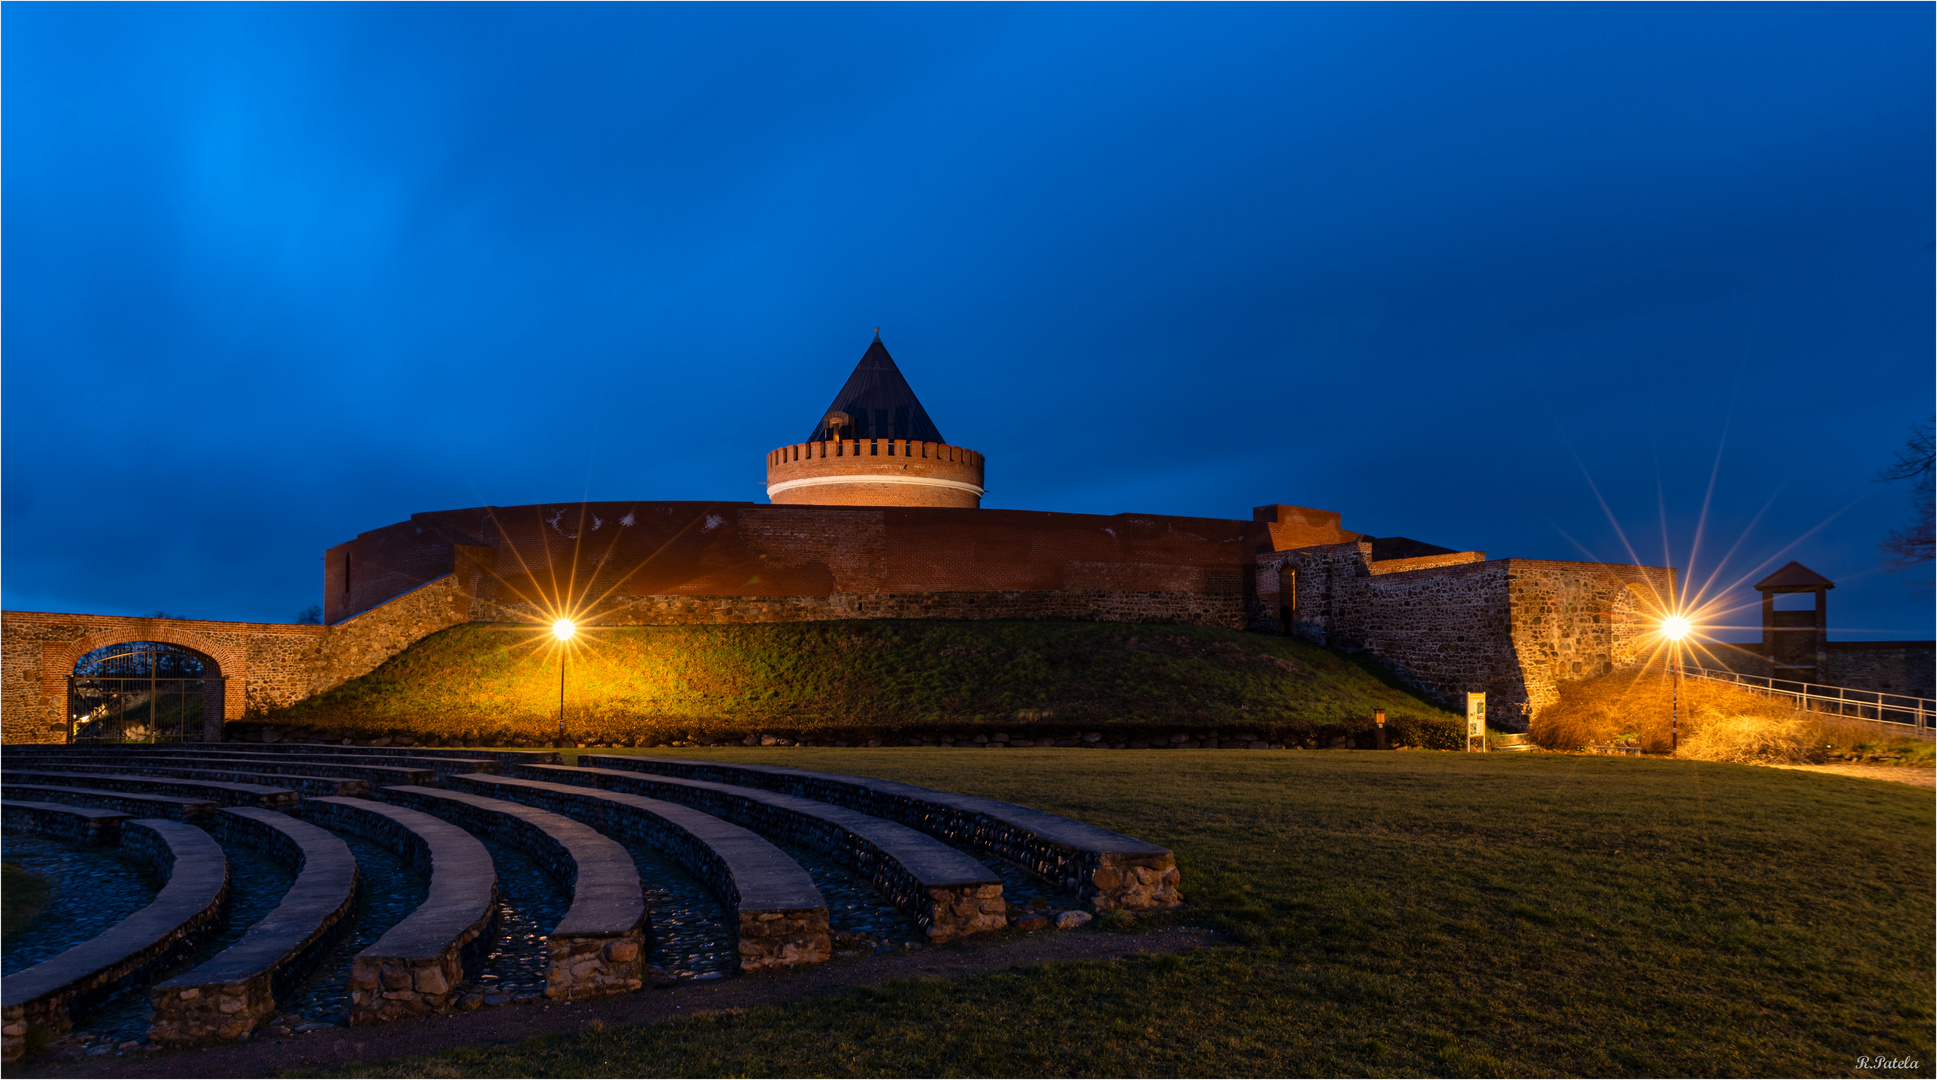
(145, 692)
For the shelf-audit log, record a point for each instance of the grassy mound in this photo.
(1389, 915)
(1719, 722)
(645, 685)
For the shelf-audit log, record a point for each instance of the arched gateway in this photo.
(144, 691)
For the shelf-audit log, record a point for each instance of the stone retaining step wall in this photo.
(276, 764)
(519, 757)
(227, 996)
(274, 795)
(220, 792)
(599, 946)
(1108, 869)
(74, 824)
(160, 806)
(437, 764)
(947, 893)
(780, 914)
(44, 995)
(416, 967)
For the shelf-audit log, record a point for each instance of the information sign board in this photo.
(1476, 720)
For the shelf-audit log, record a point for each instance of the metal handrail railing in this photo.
(1873, 705)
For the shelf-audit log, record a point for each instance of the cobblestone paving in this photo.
(692, 937)
(94, 888)
(861, 919)
(389, 889)
(1023, 889)
(530, 904)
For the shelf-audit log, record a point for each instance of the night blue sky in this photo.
(276, 275)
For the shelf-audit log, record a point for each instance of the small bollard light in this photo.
(1378, 721)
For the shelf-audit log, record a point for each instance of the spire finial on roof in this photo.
(878, 402)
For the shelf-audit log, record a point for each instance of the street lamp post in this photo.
(563, 631)
(1674, 628)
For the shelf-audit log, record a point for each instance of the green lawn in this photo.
(1398, 913)
(853, 680)
(23, 896)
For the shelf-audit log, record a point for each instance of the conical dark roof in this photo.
(879, 402)
(1795, 576)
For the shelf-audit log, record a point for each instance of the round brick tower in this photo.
(875, 446)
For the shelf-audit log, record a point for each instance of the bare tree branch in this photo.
(1916, 544)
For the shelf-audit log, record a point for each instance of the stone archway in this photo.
(144, 692)
(58, 660)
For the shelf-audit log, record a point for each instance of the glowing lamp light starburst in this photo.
(1674, 628)
(563, 629)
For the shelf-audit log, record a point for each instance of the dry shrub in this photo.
(1719, 721)
(1748, 740)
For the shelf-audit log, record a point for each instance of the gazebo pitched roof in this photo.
(1794, 577)
(878, 396)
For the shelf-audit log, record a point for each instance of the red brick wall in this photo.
(914, 461)
(607, 556)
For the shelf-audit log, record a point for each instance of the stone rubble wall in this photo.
(390, 987)
(783, 938)
(768, 937)
(587, 965)
(1515, 629)
(186, 909)
(1889, 667)
(266, 665)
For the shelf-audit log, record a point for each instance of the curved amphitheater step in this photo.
(703, 828)
(198, 883)
(506, 757)
(1107, 869)
(229, 994)
(277, 764)
(948, 893)
(417, 965)
(781, 917)
(130, 803)
(74, 824)
(220, 792)
(599, 946)
(436, 764)
(275, 786)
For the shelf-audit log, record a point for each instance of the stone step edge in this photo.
(781, 917)
(189, 904)
(227, 995)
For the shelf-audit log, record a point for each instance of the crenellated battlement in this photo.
(875, 472)
(853, 448)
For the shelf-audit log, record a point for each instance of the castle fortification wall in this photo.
(1447, 623)
(1514, 629)
(742, 561)
(265, 665)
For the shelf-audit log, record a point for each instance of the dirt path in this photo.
(1897, 774)
(335, 1047)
